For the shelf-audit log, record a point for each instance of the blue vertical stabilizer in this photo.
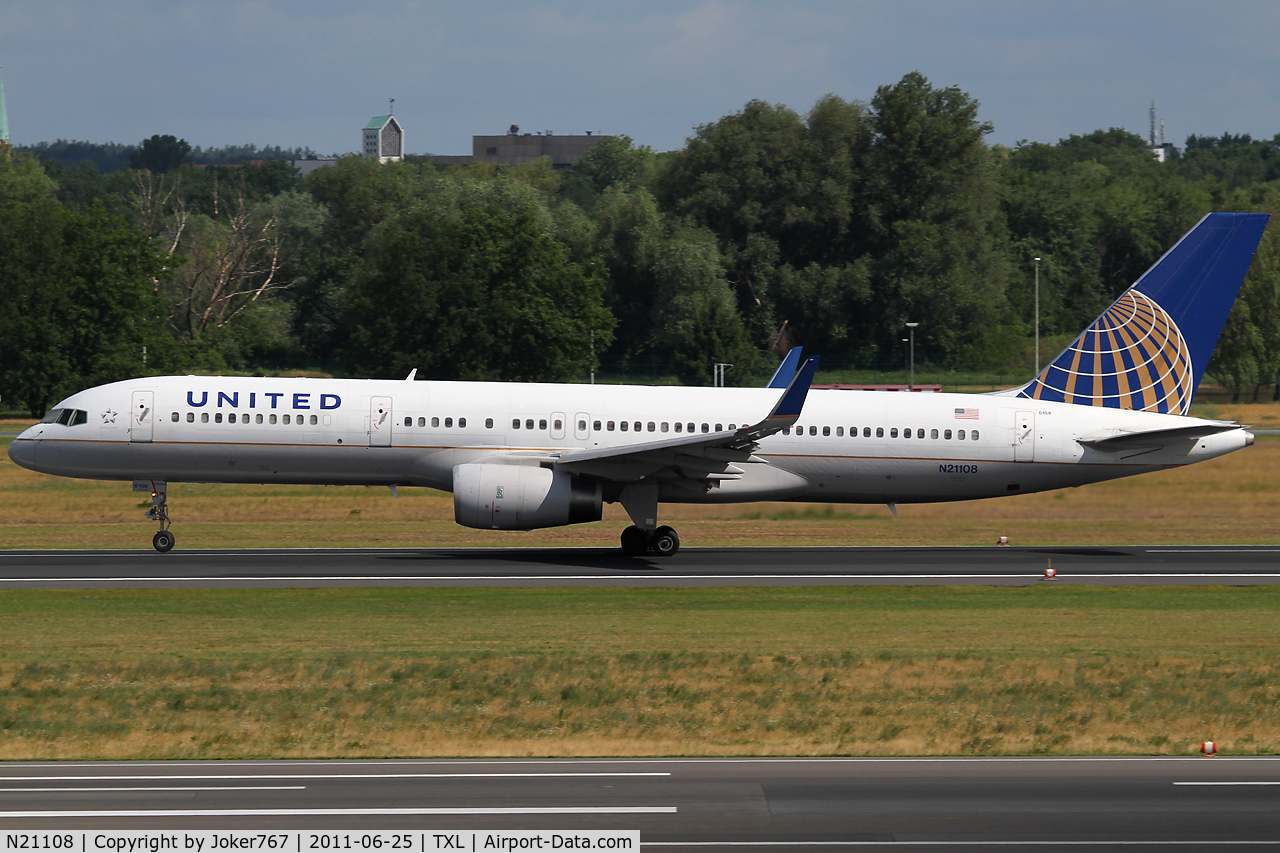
(1149, 350)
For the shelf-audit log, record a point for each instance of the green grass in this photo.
(581, 671)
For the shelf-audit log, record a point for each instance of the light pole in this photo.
(912, 384)
(1037, 316)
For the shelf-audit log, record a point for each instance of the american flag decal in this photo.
(966, 414)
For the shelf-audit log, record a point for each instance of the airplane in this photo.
(522, 456)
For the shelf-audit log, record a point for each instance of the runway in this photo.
(725, 804)
(1162, 565)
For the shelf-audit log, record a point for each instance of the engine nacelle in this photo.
(521, 497)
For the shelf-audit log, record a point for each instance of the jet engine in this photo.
(521, 497)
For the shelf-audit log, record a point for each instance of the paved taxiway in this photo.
(1234, 565)
(833, 803)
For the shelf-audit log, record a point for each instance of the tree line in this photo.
(770, 228)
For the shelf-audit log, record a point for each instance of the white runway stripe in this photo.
(204, 777)
(555, 810)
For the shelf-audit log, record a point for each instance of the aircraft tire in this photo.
(163, 541)
(635, 542)
(666, 542)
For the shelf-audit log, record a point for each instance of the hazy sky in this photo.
(312, 72)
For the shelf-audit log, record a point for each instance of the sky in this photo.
(310, 73)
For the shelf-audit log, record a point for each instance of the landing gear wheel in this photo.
(665, 542)
(163, 540)
(635, 542)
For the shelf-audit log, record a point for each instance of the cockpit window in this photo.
(66, 417)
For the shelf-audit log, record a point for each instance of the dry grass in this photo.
(1234, 499)
(432, 672)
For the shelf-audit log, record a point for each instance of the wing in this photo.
(706, 456)
(787, 370)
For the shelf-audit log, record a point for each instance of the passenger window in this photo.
(880, 432)
(462, 422)
(920, 433)
(231, 418)
(960, 435)
(679, 427)
(947, 434)
(257, 419)
(191, 418)
(558, 425)
(217, 419)
(839, 431)
(719, 428)
(731, 426)
(422, 422)
(866, 432)
(204, 417)
(448, 423)
(933, 433)
(174, 417)
(706, 428)
(609, 426)
(786, 431)
(665, 426)
(636, 426)
(624, 426)
(813, 430)
(528, 423)
(582, 426)
(906, 433)
(542, 423)
(408, 421)
(652, 426)
(973, 435)
(488, 423)
(893, 432)
(596, 426)
(435, 423)
(515, 423)
(314, 420)
(826, 430)
(691, 428)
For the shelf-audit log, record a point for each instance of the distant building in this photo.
(1160, 150)
(384, 139)
(307, 165)
(514, 147)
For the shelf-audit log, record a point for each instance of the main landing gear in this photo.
(164, 539)
(663, 542)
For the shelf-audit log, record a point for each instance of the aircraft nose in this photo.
(23, 452)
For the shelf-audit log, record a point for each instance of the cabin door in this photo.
(1024, 437)
(143, 416)
(380, 422)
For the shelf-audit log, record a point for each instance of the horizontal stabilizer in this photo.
(1121, 440)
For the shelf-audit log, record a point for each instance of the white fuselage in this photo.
(848, 446)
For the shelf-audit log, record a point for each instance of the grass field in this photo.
(449, 672)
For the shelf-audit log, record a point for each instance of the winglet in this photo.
(787, 370)
(788, 409)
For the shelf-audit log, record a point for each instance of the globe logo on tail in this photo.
(1132, 357)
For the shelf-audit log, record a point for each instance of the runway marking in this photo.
(1225, 783)
(168, 788)
(554, 810)
(330, 776)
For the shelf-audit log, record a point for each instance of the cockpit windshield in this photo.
(66, 417)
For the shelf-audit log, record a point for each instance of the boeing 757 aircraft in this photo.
(526, 456)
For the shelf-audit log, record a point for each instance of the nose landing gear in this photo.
(164, 539)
